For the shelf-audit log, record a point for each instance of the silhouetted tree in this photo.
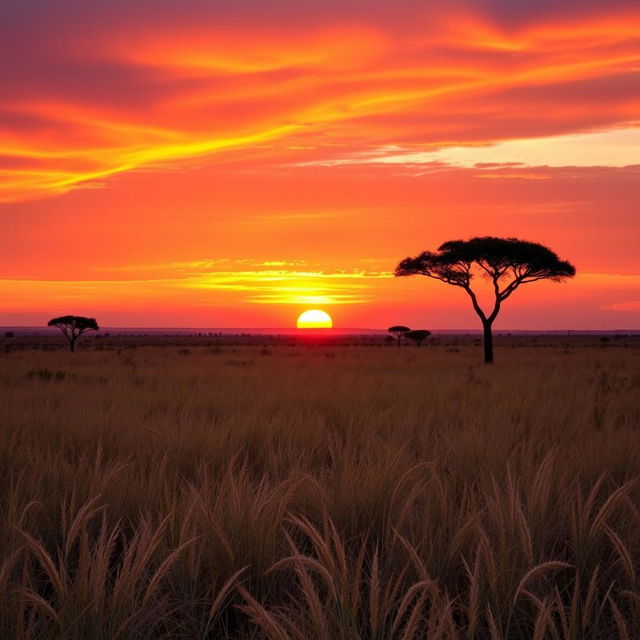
(506, 262)
(417, 335)
(398, 331)
(73, 327)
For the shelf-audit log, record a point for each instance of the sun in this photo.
(314, 319)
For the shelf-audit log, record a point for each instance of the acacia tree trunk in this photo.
(72, 344)
(488, 342)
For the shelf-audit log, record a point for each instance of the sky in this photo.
(231, 163)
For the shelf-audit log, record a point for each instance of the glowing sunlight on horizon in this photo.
(314, 319)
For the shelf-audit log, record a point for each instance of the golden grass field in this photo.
(321, 492)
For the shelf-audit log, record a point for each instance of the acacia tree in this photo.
(418, 336)
(398, 331)
(73, 327)
(506, 262)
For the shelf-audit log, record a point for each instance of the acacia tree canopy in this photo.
(417, 335)
(507, 262)
(73, 327)
(398, 328)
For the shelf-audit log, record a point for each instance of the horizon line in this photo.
(336, 329)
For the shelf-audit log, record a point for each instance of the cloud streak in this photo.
(614, 148)
(228, 282)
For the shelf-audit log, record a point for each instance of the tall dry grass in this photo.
(333, 493)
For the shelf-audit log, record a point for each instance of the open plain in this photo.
(205, 488)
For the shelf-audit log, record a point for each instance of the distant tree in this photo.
(417, 335)
(506, 262)
(9, 334)
(73, 327)
(398, 332)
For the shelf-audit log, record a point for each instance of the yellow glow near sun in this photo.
(314, 319)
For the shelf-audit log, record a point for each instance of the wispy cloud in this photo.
(270, 281)
(611, 148)
(337, 88)
(291, 286)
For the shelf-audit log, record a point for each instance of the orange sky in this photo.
(232, 164)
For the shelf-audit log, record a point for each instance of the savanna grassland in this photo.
(320, 492)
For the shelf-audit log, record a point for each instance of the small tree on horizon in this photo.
(73, 327)
(506, 262)
(418, 336)
(398, 331)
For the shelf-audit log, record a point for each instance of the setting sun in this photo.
(314, 319)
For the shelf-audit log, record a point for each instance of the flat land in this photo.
(203, 487)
